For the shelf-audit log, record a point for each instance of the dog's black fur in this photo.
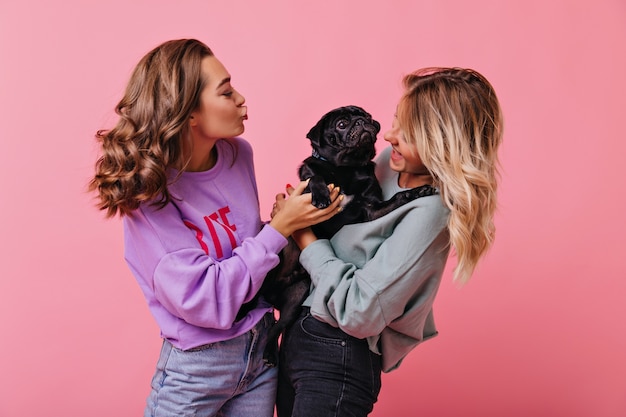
(343, 149)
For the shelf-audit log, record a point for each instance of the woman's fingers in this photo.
(299, 188)
(296, 210)
(278, 204)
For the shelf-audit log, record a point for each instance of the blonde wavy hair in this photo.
(163, 90)
(454, 119)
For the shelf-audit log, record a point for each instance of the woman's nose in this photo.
(240, 99)
(388, 136)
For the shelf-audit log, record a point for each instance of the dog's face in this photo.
(345, 136)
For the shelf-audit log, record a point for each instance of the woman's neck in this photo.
(412, 180)
(202, 161)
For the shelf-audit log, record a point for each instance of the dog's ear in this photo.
(375, 123)
(316, 132)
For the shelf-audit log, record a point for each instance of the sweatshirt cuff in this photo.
(273, 240)
(315, 255)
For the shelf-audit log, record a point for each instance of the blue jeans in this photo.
(226, 378)
(324, 372)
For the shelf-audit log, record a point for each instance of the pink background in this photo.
(539, 331)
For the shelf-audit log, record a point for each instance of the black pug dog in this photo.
(343, 151)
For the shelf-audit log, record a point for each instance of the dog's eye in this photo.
(342, 124)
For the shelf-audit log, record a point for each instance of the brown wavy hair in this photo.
(163, 90)
(454, 119)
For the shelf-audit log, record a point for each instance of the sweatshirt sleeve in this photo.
(191, 285)
(369, 274)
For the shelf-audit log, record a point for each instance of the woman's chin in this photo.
(396, 164)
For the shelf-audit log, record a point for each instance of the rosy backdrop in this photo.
(540, 331)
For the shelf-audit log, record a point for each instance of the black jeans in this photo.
(324, 372)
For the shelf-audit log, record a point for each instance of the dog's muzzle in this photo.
(360, 135)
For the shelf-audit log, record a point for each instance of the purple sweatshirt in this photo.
(206, 253)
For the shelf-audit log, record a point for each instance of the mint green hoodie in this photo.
(378, 280)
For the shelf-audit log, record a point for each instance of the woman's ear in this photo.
(192, 121)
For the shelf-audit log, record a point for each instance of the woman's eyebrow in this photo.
(224, 81)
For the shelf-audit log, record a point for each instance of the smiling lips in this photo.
(395, 155)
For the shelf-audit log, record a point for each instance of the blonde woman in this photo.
(375, 283)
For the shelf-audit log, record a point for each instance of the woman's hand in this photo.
(296, 212)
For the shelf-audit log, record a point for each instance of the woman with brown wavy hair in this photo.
(177, 172)
(375, 282)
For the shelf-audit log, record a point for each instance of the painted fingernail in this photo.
(288, 186)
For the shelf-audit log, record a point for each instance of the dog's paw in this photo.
(320, 203)
(320, 195)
